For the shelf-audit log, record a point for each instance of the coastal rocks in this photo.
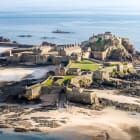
(97, 107)
(109, 47)
(45, 37)
(129, 47)
(2, 39)
(134, 92)
(101, 136)
(47, 44)
(5, 126)
(21, 130)
(45, 122)
(131, 77)
(23, 36)
(121, 106)
(7, 109)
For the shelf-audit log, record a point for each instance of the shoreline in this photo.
(74, 120)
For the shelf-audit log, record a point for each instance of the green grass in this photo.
(68, 77)
(69, 89)
(48, 83)
(60, 82)
(85, 65)
(65, 80)
(110, 65)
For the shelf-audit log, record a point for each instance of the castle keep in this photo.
(106, 46)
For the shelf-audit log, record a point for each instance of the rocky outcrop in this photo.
(21, 129)
(110, 47)
(121, 106)
(2, 39)
(129, 47)
(133, 92)
(28, 36)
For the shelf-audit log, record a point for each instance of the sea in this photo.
(24, 136)
(19, 136)
(82, 24)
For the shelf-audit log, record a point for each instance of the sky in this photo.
(64, 4)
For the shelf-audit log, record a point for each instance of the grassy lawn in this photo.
(68, 77)
(48, 83)
(85, 65)
(61, 81)
(65, 79)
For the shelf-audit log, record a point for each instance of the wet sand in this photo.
(19, 73)
(78, 122)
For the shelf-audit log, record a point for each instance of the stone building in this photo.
(37, 55)
(120, 67)
(99, 55)
(32, 92)
(129, 67)
(101, 75)
(108, 35)
(86, 53)
(76, 57)
(78, 95)
(69, 50)
(82, 81)
(60, 71)
(74, 71)
(105, 36)
(42, 50)
(14, 58)
(125, 67)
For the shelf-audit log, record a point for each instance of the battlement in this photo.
(68, 50)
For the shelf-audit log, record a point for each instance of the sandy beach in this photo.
(19, 73)
(110, 123)
(75, 121)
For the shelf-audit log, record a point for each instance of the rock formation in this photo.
(110, 47)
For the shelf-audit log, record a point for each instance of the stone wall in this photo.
(99, 55)
(32, 92)
(42, 50)
(26, 57)
(82, 81)
(101, 75)
(33, 59)
(51, 90)
(16, 58)
(86, 55)
(77, 96)
(69, 50)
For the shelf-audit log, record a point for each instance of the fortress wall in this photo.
(84, 98)
(99, 55)
(33, 92)
(68, 50)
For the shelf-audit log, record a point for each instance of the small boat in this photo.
(60, 32)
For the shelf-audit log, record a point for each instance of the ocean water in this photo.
(19, 136)
(12, 136)
(82, 25)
